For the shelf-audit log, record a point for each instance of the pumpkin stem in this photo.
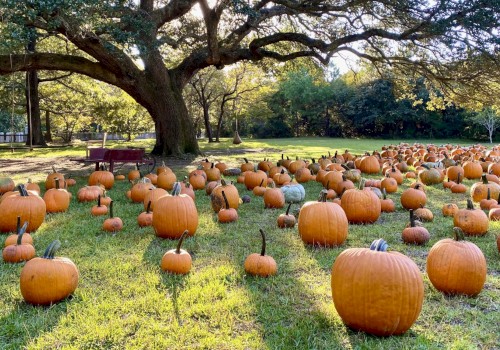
(179, 244)
(246, 160)
(21, 232)
(176, 189)
(51, 249)
(111, 209)
(488, 194)
(99, 200)
(362, 184)
(56, 180)
(148, 208)
(470, 205)
(379, 245)
(384, 194)
(412, 218)
(223, 182)
(458, 234)
(288, 208)
(22, 190)
(54, 169)
(322, 196)
(212, 165)
(313, 160)
(263, 250)
(458, 178)
(260, 185)
(485, 180)
(225, 200)
(18, 225)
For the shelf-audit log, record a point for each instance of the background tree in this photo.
(488, 118)
(175, 40)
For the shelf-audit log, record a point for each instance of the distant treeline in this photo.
(303, 107)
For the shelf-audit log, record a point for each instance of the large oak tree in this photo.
(152, 48)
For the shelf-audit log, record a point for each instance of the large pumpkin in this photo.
(175, 214)
(30, 208)
(369, 165)
(103, 177)
(361, 206)
(48, 279)
(455, 266)
(322, 223)
(376, 291)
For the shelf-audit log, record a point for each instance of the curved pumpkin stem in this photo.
(379, 245)
(288, 208)
(51, 249)
(223, 182)
(54, 169)
(148, 208)
(263, 250)
(176, 189)
(21, 231)
(322, 196)
(384, 194)
(458, 234)
(22, 190)
(179, 244)
(99, 200)
(111, 209)
(470, 205)
(226, 203)
(485, 180)
(260, 185)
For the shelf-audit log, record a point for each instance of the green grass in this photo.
(125, 301)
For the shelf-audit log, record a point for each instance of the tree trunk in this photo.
(48, 132)
(208, 127)
(175, 134)
(33, 101)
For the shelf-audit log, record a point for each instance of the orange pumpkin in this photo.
(146, 217)
(13, 238)
(6, 185)
(255, 178)
(247, 166)
(102, 177)
(376, 291)
(140, 190)
(413, 198)
(112, 224)
(479, 190)
(20, 251)
(232, 195)
(152, 196)
(449, 209)
(99, 209)
(56, 199)
(415, 234)
(227, 214)
(89, 193)
(166, 180)
(322, 223)
(175, 214)
(361, 206)
(455, 266)
(30, 208)
(261, 264)
(472, 221)
(286, 220)
(274, 198)
(50, 181)
(177, 261)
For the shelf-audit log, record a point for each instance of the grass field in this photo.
(124, 301)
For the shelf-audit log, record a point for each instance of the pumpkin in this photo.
(146, 217)
(430, 176)
(13, 238)
(139, 191)
(119, 177)
(458, 187)
(261, 264)
(221, 166)
(322, 223)
(472, 221)
(50, 181)
(99, 209)
(361, 206)
(153, 178)
(369, 165)
(210, 187)
(187, 189)
(293, 193)
(112, 224)
(314, 167)
(281, 178)
(344, 185)
(274, 198)
(386, 204)
(89, 193)
(213, 173)
(352, 174)
(48, 279)
(395, 174)
(303, 175)
(105, 199)
(56, 199)
(413, 198)
(20, 251)
(166, 180)
(389, 184)
(286, 220)
(102, 177)
(152, 196)
(247, 166)
(376, 291)
(455, 266)
(30, 208)
(423, 214)
(174, 214)
(472, 170)
(259, 190)
(296, 165)
(255, 178)
(31, 186)
(177, 261)
(449, 209)
(6, 185)
(415, 234)
(232, 195)
(227, 214)
(486, 203)
(134, 174)
(453, 171)
(479, 190)
(163, 168)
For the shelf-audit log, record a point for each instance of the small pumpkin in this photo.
(260, 190)
(376, 291)
(146, 217)
(48, 279)
(50, 181)
(112, 224)
(6, 185)
(415, 234)
(231, 192)
(294, 193)
(13, 238)
(424, 214)
(139, 191)
(99, 209)
(458, 187)
(479, 190)
(261, 264)
(31, 186)
(386, 204)
(274, 198)
(134, 174)
(486, 203)
(227, 214)
(449, 209)
(413, 198)
(20, 251)
(56, 199)
(455, 266)
(247, 166)
(177, 261)
(287, 220)
(89, 193)
(103, 177)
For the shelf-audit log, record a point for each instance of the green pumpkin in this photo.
(294, 193)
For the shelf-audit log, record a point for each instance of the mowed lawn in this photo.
(125, 301)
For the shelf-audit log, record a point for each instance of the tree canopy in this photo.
(152, 48)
